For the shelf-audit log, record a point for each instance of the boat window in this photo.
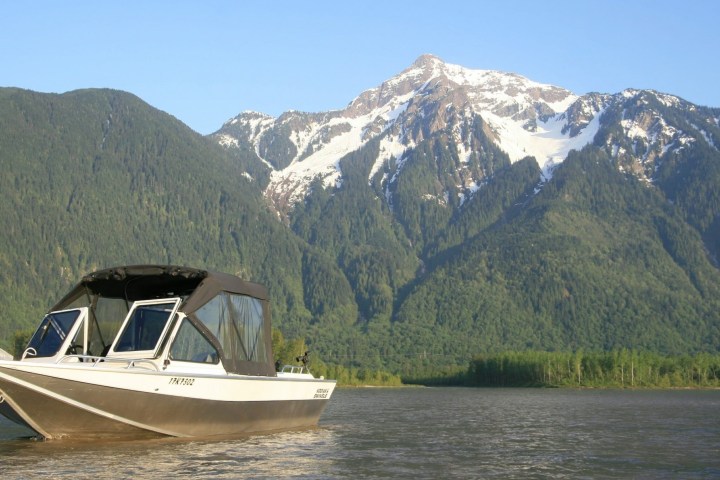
(191, 346)
(237, 322)
(106, 318)
(144, 327)
(52, 332)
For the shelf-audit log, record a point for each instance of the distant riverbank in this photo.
(614, 369)
(621, 368)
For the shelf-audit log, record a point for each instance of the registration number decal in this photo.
(182, 381)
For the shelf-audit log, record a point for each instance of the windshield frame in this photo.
(80, 321)
(116, 351)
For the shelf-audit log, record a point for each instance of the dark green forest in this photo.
(372, 275)
(96, 178)
(620, 368)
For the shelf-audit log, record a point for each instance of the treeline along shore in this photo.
(616, 368)
(620, 368)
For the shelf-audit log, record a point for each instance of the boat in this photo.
(144, 351)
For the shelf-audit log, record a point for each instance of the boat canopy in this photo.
(233, 314)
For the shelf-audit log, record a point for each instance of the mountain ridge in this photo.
(406, 227)
(524, 118)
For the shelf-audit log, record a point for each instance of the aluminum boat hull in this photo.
(83, 401)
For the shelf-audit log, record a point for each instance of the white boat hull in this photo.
(84, 401)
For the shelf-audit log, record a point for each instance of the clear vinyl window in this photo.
(51, 334)
(191, 346)
(237, 322)
(144, 328)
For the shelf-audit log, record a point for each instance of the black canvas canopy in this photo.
(240, 330)
(144, 282)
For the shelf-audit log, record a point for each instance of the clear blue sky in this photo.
(205, 61)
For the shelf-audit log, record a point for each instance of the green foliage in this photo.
(402, 273)
(496, 201)
(288, 352)
(358, 376)
(691, 179)
(325, 288)
(20, 341)
(420, 200)
(372, 253)
(688, 174)
(615, 368)
(595, 260)
(436, 375)
(96, 178)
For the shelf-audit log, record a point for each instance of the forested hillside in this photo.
(399, 267)
(593, 260)
(96, 178)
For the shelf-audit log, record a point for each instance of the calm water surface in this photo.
(424, 433)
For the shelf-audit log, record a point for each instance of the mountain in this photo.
(488, 119)
(521, 117)
(446, 170)
(429, 97)
(445, 213)
(96, 178)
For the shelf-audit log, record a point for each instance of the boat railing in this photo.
(29, 351)
(95, 361)
(294, 369)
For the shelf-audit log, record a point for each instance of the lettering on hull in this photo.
(321, 393)
(182, 381)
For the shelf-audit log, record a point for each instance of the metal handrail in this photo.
(95, 360)
(132, 363)
(29, 351)
(294, 369)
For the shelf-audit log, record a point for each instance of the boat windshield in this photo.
(52, 332)
(145, 326)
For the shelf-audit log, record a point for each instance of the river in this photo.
(424, 433)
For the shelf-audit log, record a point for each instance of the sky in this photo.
(206, 61)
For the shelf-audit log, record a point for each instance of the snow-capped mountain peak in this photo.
(431, 97)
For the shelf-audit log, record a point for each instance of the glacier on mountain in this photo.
(522, 117)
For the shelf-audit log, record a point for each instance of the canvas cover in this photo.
(243, 328)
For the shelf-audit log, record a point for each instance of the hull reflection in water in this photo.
(191, 357)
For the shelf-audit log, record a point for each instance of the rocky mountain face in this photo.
(444, 213)
(427, 98)
(445, 183)
(643, 131)
(523, 118)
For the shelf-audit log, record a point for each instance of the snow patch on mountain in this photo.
(547, 143)
(655, 132)
(490, 94)
(523, 117)
(390, 147)
(506, 102)
(709, 139)
(227, 141)
(324, 162)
